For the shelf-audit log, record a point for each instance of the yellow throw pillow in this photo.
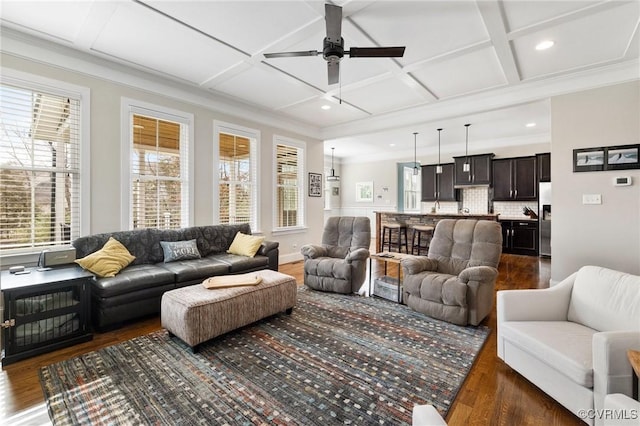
(245, 245)
(107, 261)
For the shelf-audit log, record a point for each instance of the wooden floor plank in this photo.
(492, 394)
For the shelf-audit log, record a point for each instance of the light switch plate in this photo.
(591, 199)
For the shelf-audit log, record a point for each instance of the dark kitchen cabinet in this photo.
(480, 170)
(520, 237)
(438, 187)
(515, 179)
(544, 167)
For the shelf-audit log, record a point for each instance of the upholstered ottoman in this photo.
(196, 314)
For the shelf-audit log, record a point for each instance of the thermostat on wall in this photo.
(622, 181)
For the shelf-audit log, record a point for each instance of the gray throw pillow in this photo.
(179, 250)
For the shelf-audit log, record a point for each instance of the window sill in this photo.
(292, 230)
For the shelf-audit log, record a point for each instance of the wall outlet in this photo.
(591, 199)
(294, 245)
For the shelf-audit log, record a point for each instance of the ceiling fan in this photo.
(333, 46)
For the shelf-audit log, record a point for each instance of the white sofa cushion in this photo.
(605, 300)
(562, 345)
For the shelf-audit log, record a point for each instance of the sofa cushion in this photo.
(107, 261)
(562, 345)
(195, 269)
(605, 300)
(218, 238)
(435, 287)
(179, 250)
(241, 263)
(132, 278)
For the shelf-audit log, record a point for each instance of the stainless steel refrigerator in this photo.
(544, 218)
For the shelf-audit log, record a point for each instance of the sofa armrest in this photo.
(357, 254)
(626, 409)
(612, 372)
(478, 273)
(415, 264)
(549, 304)
(313, 251)
(267, 246)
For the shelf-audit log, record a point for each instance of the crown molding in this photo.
(26, 46)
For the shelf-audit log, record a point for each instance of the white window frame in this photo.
(254, 137)
(302, 215)
(83, 94)
(129, 107)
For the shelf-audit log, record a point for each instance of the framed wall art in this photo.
(315, 185)
(364, 192)
(621, 157)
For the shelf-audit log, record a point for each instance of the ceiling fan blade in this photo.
(376, 52)
(333, 69)
(333, 18)
(291, 54)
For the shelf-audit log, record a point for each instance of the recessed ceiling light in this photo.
(531, 124)
(544, 45)
(326, 107)
(392, 144)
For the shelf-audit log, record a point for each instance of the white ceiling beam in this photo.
(494, 21)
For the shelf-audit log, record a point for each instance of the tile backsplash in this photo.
(476, 199)
(513, 209)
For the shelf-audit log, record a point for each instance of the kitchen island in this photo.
(410, 219)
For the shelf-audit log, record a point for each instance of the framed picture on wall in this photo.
(364, 192)
(588, 159)
(622, 157)
(315, 185)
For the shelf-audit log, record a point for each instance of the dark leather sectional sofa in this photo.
(136, 291)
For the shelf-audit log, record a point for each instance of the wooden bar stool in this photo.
(388, 229)
(420, 231)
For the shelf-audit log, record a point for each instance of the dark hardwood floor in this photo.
(492, 394)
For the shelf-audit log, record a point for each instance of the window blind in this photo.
(39, 168)
(237, 170)
(289, 185)
(158, 173)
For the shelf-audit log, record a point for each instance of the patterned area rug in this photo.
(336, 360)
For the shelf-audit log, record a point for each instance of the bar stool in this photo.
(420, 231)
(401, 230)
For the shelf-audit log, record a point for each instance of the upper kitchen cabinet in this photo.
(544, 167)
(515, 179)
(438, 187)
(479, 173)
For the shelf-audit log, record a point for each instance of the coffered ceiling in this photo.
(465, 61)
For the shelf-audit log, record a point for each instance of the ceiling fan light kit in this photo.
(416, 170)
(333, 46)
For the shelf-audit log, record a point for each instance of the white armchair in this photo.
(570, 340)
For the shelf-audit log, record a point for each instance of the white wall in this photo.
(608, 234)
(105, 167)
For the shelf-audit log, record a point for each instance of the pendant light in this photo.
(466, 167)
(416, 170)
(439, 166)
(332, 177)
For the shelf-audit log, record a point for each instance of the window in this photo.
(41, 154)
(410, 187)
(237, 174)
(159, 168)
(289, 169)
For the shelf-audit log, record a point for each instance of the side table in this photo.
(634, 359)
(44, 310)
(387, 258)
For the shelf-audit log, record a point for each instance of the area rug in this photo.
(337, 359)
